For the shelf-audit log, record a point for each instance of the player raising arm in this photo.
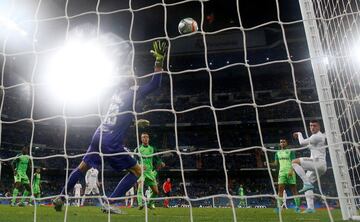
(111, 134)
(315, 164)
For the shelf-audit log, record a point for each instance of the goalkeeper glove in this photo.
(159, 52)
(142, 123)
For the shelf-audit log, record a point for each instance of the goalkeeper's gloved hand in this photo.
(159, 52)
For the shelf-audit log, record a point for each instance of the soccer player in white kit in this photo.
(77, 193)
(92, 185)
(130, 196)
(315, 164)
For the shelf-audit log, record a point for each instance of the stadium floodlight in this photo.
(80, 70)
(11, 26)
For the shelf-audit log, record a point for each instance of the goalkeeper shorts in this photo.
(21, 178)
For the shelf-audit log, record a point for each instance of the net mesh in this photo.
(216, 113)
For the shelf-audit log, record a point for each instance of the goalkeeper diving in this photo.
(111, 134)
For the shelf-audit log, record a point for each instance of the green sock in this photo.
(26, 193)
(297, 201)
(15, 193)
(139, 196)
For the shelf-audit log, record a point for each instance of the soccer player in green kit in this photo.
(241, 193)
(283, 159)
(36, 183)
(20, 167)
(149, 163)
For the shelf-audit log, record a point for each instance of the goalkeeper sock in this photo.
(297, 201)
(15, 193)
(26, 193)
(75, 175)
(139, 196)
(124, 185)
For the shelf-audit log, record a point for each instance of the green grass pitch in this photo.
(93, 214)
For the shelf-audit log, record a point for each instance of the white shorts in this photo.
(311, 165)
(77, 195)
(92, 190)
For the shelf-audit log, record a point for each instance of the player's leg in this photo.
(155, 193)
(17, 186)
(86, 193)
(96, 192)
(319, 169)
(27, 190)
(300, 165)
(294, 192)
(280, 201)
(75, 175)
(129, 163)
(140, 193)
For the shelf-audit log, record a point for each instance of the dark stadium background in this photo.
(222, 79)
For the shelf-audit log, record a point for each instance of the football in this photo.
(187, 25)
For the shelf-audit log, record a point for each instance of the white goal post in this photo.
(320, 39)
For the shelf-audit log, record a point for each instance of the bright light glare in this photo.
(10, 25)
(80, 71)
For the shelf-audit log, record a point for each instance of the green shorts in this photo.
(36, 189)
(150, 178)
(21, 178)
(286, 180)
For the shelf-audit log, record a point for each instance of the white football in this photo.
(187, 25)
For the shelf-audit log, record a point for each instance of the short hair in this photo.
(283, 138)
(315, 121)
(145, 133)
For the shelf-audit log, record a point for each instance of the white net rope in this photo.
(339, 22)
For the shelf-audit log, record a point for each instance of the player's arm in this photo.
(14, 164)
(300, 138)
(163, 187)
(275, 163)
(159, 52)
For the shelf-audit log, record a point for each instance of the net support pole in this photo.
(332, 130)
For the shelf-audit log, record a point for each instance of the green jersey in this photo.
(284, 157)
(148, 161)
(22, 163)
(36, 179)
(241, 191)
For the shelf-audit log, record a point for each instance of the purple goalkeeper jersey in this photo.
(117, 121)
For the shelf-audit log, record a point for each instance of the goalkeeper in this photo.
(148, 161)
(283, 158)
(111, 133)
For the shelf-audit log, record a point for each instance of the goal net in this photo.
(249, 76)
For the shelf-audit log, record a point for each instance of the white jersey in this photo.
(77, 188)
(91, 177)
(316, 144)
(130, 192)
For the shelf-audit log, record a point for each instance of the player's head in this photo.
(314, 126)
(283, 143)
(38, 170)
(25, 150)
(145, 138)
(168, 179)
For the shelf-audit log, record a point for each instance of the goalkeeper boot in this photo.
(58, 203)
(112, 210)
(297, 210)
(306, 187)
(141, 207)
(309, 211)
